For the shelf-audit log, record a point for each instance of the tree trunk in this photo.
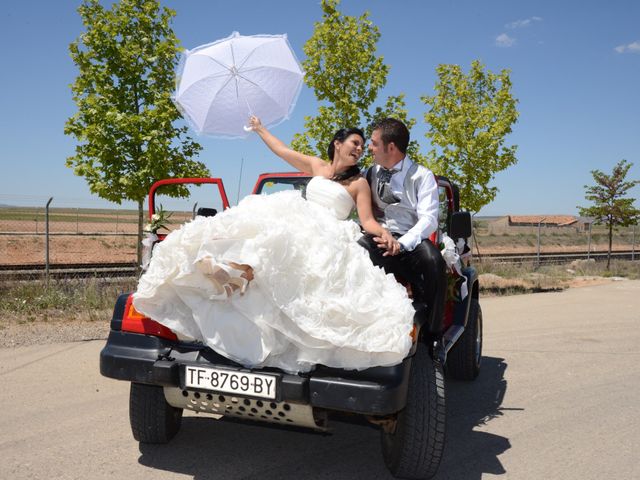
(475, 241)
(610, 243)
(139, 242)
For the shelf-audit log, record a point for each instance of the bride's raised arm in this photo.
(304, 163)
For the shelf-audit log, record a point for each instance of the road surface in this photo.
(557, 398)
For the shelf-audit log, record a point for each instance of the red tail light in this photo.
(414, 334)
(136, 322)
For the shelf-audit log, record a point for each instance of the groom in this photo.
(405, 202)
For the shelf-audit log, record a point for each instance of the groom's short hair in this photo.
(392, 130)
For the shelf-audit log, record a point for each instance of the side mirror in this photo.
(460, 225)
(206, 212)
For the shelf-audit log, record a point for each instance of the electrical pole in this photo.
(46, 254)
(539, 223)
(239, 180)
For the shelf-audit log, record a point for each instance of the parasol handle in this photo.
(247, 128)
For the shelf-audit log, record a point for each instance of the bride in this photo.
(279, 280)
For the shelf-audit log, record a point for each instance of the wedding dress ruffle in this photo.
(316, 298)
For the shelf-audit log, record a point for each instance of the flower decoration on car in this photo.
(159, 220)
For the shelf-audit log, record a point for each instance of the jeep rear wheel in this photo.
(414, 448)
(152, 419)
(463, 360)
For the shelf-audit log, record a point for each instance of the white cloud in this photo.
(504, 40)
(523, 23)
(630, 48)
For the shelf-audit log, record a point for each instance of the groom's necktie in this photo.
(384, 185)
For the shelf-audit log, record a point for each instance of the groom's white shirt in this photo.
(415, 217)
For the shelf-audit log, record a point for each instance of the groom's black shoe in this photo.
(420, 317)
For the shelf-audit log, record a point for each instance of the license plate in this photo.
(230, 381)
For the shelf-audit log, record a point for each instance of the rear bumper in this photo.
(152, 360)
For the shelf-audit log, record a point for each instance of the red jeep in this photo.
(406, 401)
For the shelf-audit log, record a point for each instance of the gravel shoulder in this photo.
(58, 327)
(53, 326)
(42, 333)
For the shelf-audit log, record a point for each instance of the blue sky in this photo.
(575, 70)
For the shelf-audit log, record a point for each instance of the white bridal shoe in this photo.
(226, 278)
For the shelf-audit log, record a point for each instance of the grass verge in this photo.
(93, 299)
(509, 279)
(62, 300)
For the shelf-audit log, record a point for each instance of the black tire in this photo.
(152, 419)
(415, 448)
(465, 357)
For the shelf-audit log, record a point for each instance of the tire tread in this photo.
(152, 419)
(415, 449)
(461, 359)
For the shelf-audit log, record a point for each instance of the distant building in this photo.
(530, 223)
(585, 222)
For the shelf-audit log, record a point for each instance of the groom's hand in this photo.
(387, 242)
(392, 249)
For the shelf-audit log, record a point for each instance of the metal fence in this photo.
(78, 221)
(557, 242)
(58, 233)
(71, 235)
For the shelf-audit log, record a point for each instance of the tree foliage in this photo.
(125, 119)
(469, 117)
(611, 206)
(346, 75)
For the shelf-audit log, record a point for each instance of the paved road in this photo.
(557, 398)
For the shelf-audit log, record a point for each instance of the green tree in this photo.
(610, 206)
(469, 118)
(125, 120)
(346, 75)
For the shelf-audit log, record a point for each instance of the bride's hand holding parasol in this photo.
(254, 124)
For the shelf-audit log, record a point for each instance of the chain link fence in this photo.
(65, 233)
(29, 235)
(41, 232)
(592, 241)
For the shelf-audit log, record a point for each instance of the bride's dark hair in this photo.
(341, 135)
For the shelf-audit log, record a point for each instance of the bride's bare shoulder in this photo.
(356, 185)
(361, 182)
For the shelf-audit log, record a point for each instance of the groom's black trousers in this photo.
(424, 268)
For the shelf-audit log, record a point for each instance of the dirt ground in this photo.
(595, 248)
(17, 250)
(84, 236)
(21, 249)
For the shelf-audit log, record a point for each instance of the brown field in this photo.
(22, 241)
(16, 250)
(73, 227)
(21, 249)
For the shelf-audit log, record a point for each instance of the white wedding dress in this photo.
(316, 298)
